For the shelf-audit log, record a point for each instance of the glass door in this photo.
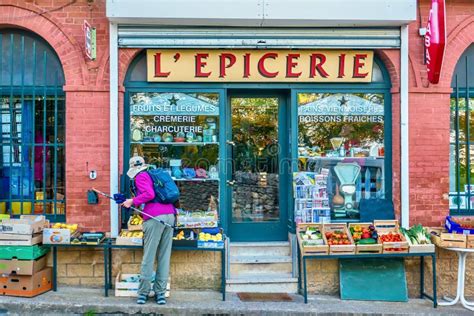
(257, 144)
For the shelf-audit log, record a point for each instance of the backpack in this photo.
(166, 191)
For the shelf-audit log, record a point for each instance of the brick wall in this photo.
(189, 269)
(87, 99)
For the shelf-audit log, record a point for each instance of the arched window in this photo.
(32, 120)
(461, 175)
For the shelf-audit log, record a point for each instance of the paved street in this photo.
(69, 300)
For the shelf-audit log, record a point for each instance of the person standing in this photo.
(158, 237)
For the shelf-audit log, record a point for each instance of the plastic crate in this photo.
(454, 227)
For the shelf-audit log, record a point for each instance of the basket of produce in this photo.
(135, 223)
(441, 238)
(419, 239)
(460, 225)
(339, 239)
(185, 238)
(311, 239)
(390, 237)
(365, 237)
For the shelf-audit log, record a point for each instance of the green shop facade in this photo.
(241, 130)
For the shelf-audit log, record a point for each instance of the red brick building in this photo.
(87, 103)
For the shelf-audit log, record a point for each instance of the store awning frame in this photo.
(145, 36)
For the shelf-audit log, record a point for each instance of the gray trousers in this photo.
(157, 242)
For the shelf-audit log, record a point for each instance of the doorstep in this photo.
(72, 300)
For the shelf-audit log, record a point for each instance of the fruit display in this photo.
(72, 227)
(209, 237)
(337, 237)
(364, 235)
(136, 220)
(391, 237)
(129, 234)
(312, 236)
(184, 235)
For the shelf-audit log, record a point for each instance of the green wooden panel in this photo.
(22, 252)
(377, 279)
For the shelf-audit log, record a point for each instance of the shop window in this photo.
(178, 132)
(461, 172)
(32, 120)
(341, 143)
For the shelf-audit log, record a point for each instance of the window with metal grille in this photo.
(32, 124)
(461, 184)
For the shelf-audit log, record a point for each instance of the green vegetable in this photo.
(417, 234)
(366, 241)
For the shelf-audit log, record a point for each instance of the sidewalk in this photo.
(71, 300)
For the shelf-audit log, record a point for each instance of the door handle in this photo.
(230, 182)
(230, 142)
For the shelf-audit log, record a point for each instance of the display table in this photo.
(102, 246)
(303, 274)
(462, 254)
(112, 245)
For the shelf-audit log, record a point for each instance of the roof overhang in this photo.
(263, 13)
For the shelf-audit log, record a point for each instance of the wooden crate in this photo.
(384, 227)
(419, 248)
(340, 249)
(363, 249)
(20, 240)
(312, 250)
(130, 289)
(441, 238)
(470, 241)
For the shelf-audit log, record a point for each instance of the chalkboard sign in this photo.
(373, 279)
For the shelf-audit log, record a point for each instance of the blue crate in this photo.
(454, 227)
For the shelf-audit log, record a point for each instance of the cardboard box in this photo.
(22, 267)
(20, 240)
(130, 289)
(23, 252)
(58, 236)
(26, 225)
(27, 285)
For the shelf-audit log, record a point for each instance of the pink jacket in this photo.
(145, 193)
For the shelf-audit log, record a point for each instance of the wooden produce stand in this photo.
(379, 250)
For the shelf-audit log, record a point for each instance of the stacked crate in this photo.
(23, 270)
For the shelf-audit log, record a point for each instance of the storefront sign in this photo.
(341, 108)
(90, 41)
(435, 40)
(259, 66)
(177, 104)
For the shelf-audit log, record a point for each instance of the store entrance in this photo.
(258, 146)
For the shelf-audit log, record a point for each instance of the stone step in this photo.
(259, 259)
(276, 248)
(243, 268)
(263, 283)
